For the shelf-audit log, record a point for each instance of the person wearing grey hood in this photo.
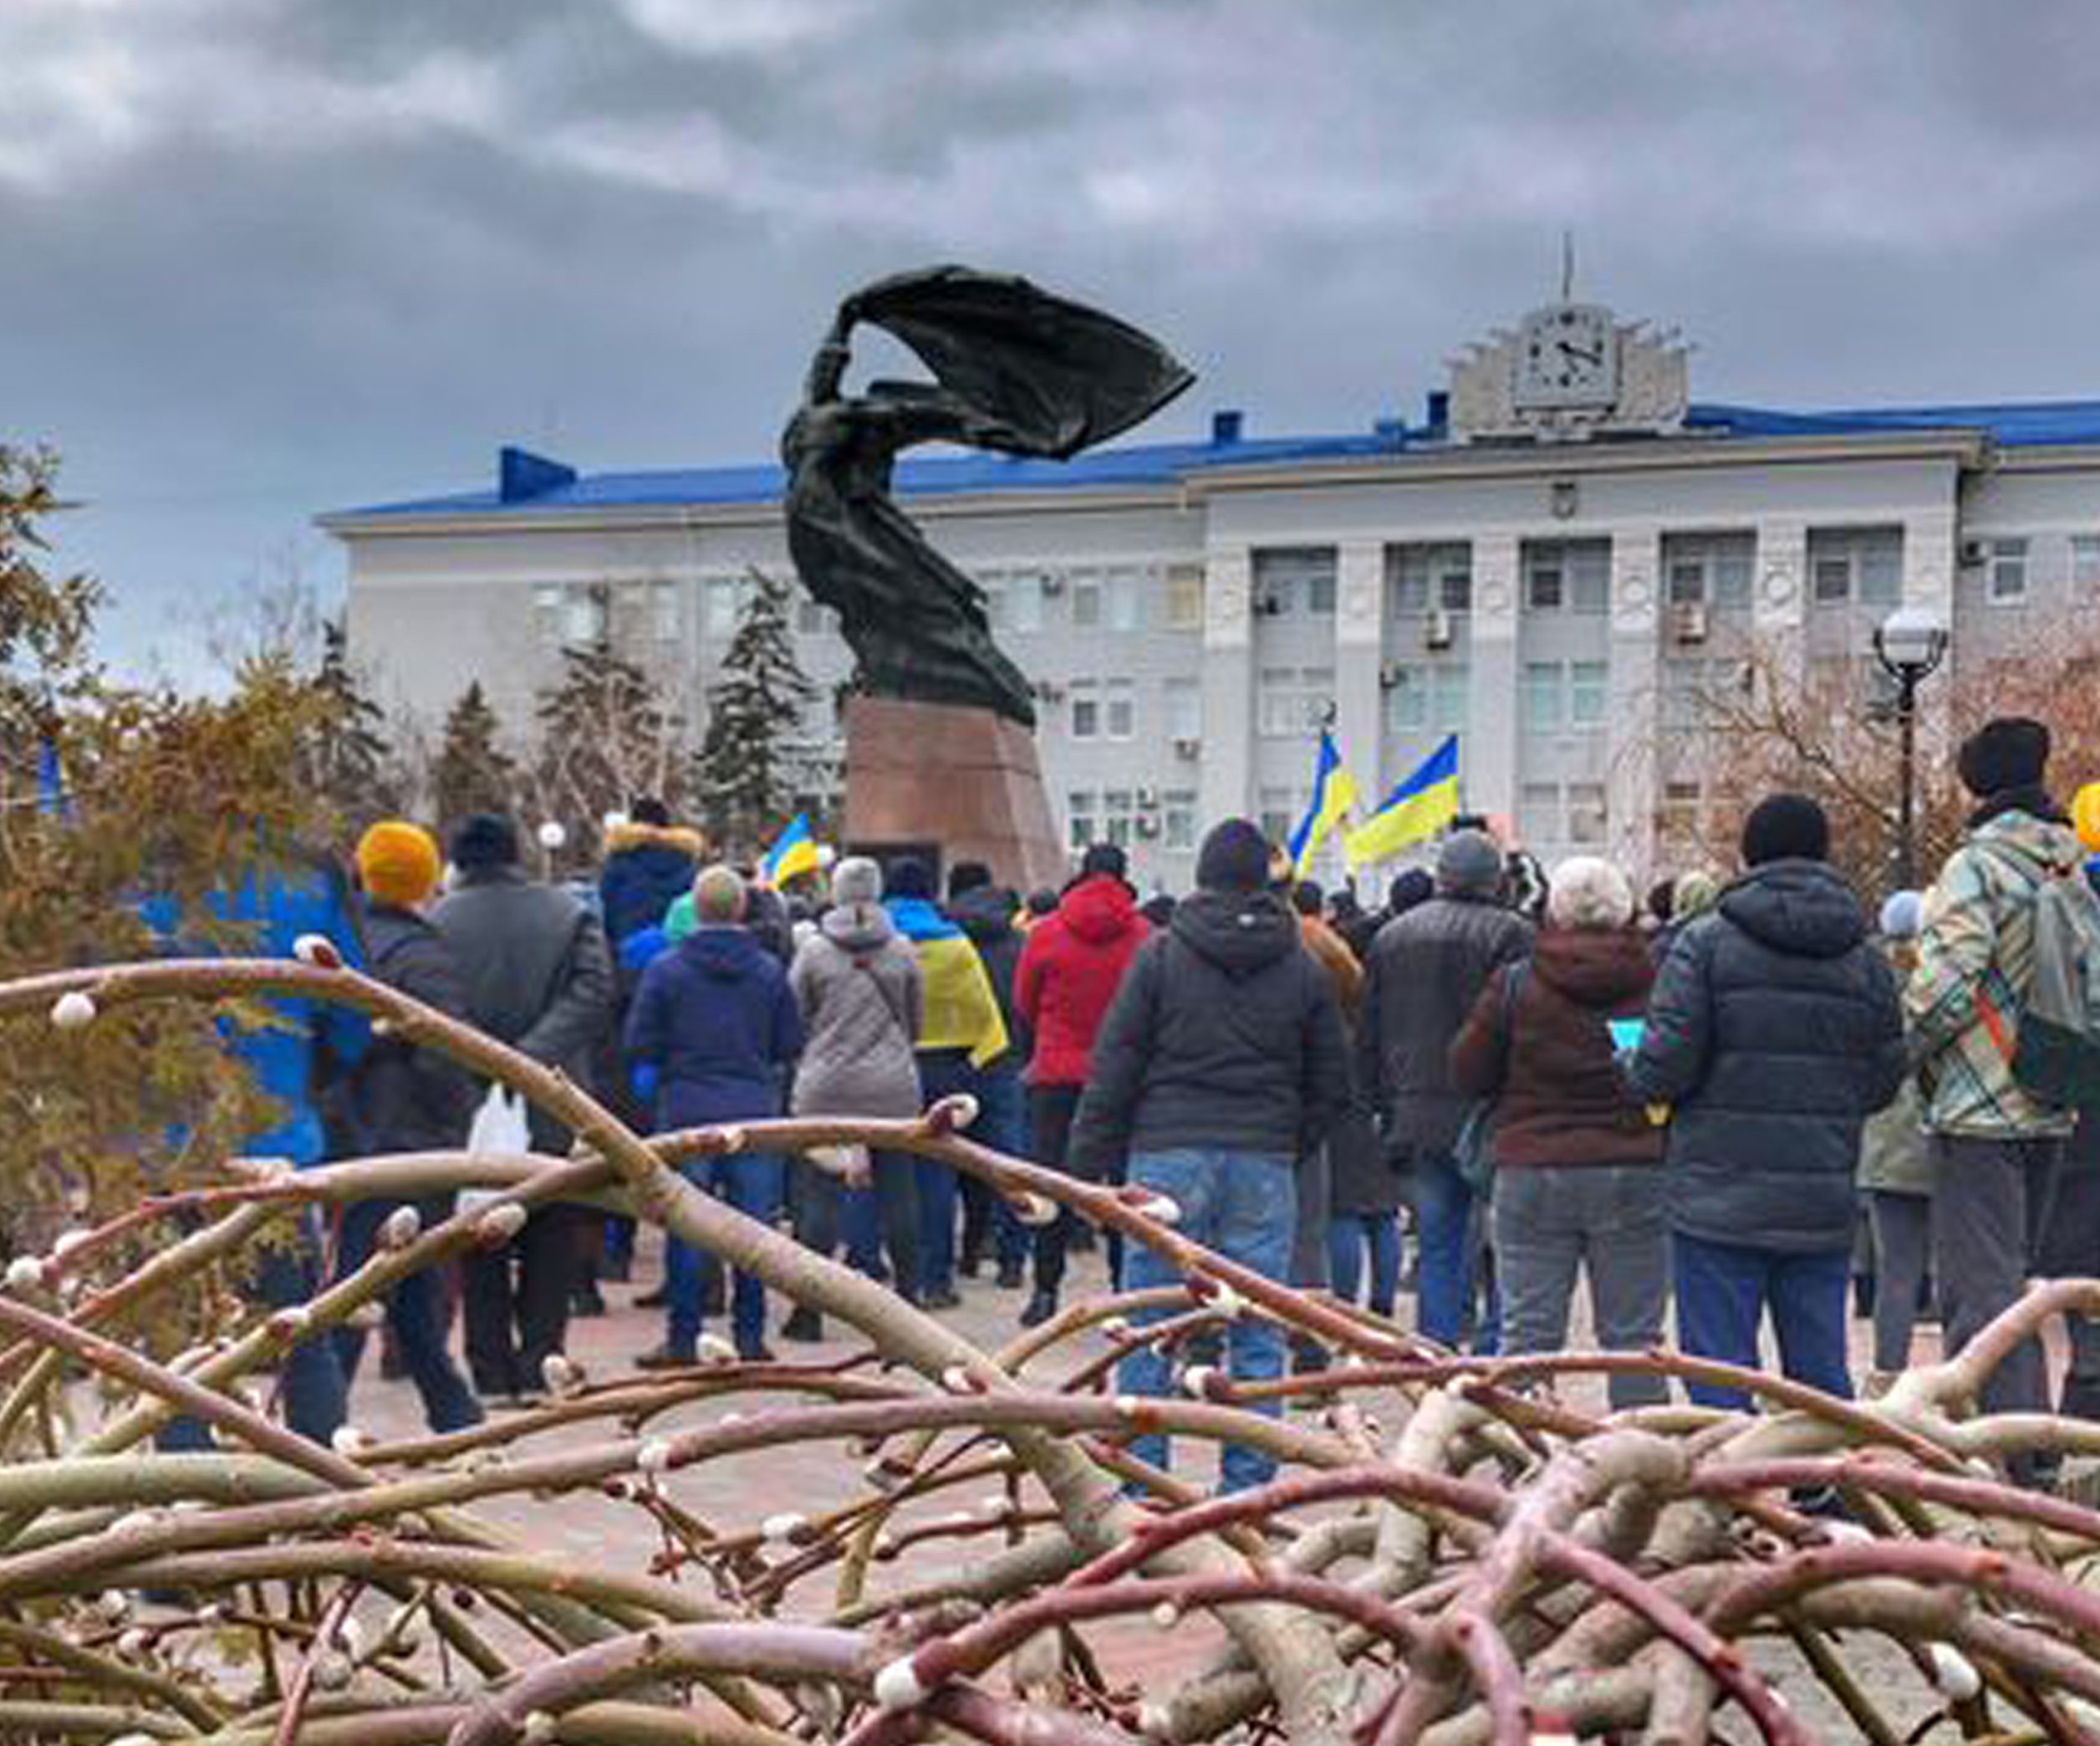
(857, 984)
(1425, 972)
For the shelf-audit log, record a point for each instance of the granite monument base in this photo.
(961, 782)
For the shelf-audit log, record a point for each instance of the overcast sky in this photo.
(262, 257)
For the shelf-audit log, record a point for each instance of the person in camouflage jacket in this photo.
(1995, 1148)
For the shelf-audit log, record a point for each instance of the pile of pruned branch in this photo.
(1453, 1552)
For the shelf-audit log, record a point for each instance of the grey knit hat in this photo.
(856, 880)
(1469, 865)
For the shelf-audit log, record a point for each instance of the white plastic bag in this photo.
(501, 1129)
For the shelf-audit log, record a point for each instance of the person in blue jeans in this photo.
(1220, 1065)
(986, 912)
(1774, 1032)
(1426, 969)
(712, 1035)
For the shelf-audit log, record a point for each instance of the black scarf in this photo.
(2031, 798)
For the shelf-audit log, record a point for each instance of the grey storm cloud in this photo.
(260, 257)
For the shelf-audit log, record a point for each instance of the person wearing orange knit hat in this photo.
(403, 1098)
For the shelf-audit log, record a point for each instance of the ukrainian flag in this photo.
(1413, 812)
(1333, 794)
(793, 853)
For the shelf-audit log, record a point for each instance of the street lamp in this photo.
(1909, 643)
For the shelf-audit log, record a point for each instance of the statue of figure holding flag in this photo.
(1016, 369)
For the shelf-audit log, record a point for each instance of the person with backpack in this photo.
(858, 986)
(400, 1098)
(1995, 1142)
(1578, 1186)
(1774, 1031)
(1219, 1068)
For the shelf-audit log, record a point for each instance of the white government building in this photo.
(1556, 564)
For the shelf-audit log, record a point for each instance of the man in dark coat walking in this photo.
(1220, 1066)
(1774, 1033)
(1427, 967)
(537, 977)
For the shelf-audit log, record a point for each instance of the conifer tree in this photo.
(606, 735)
(753, 765)
(473, 772)
(347, 758)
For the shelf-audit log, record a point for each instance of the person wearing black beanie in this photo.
(1774, 1031)
(1785, 827)
(1996, 1146)
(1220, 1067)
(485, 841)
(910, 878)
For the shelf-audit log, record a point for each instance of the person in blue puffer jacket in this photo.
(296, 1061)
(711, 1037)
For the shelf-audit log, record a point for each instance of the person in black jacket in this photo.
(402, 1098)
(1220, 1065)
(985, 911)
(1774, 1033)
(1427, 966)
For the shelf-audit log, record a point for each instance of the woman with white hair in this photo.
(1578, 1185)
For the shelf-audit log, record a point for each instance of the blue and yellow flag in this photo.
(1333, 794)
(793, 853)
(1413, 812)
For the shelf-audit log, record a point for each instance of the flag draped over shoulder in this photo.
(1413, 812)
(793, 853)
(1333, 794)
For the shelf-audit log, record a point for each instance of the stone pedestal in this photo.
(963, 781)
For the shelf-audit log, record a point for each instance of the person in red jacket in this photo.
(1069, 971)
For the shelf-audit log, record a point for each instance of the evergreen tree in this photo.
(473, 772)
(606, 735)
(347, 757)
(754, 764)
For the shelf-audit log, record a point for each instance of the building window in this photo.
(1118, 816)
(1586, 815)
(727, 597)
(1084, 695)
(1079, 810)
(1279, 813)
(1567, 576)
(1086, 600)
(1423, 698)
(1545, 696)
(1293, 701)
(1860, 566)
(1185, 597)
(1588, 685)
(1024, 602)
(1424, 578)
(2085, 562)
(1184, 701)
(1538, 812)
(1709, 569)
(1121, 587)
(1677, 818)
(546, 614)
(1119, 712)
(2008, 571)
(813, 618)
(1295, 581)
(1177, 813)
(664, 616)
(1693, 693)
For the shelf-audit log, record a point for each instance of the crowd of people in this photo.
(1716, 1101)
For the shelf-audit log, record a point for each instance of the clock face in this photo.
(1567, 355)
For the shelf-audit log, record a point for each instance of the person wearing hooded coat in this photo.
(858, 985)
(715, 1032)
(1774, 1031)
(984, 912)
(1069, 974)
(1220, 1066)
(1578, 1186)
(650, 863)
(1996, 1148)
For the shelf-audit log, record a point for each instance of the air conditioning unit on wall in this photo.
(1437, 629)
(1973, 553)
(1187, 746)
(1688, 622)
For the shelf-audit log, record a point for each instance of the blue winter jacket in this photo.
(294, 1058)
(713, 1017)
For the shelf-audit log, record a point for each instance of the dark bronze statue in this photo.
(1015, 370)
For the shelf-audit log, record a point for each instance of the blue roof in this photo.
(528, 483)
